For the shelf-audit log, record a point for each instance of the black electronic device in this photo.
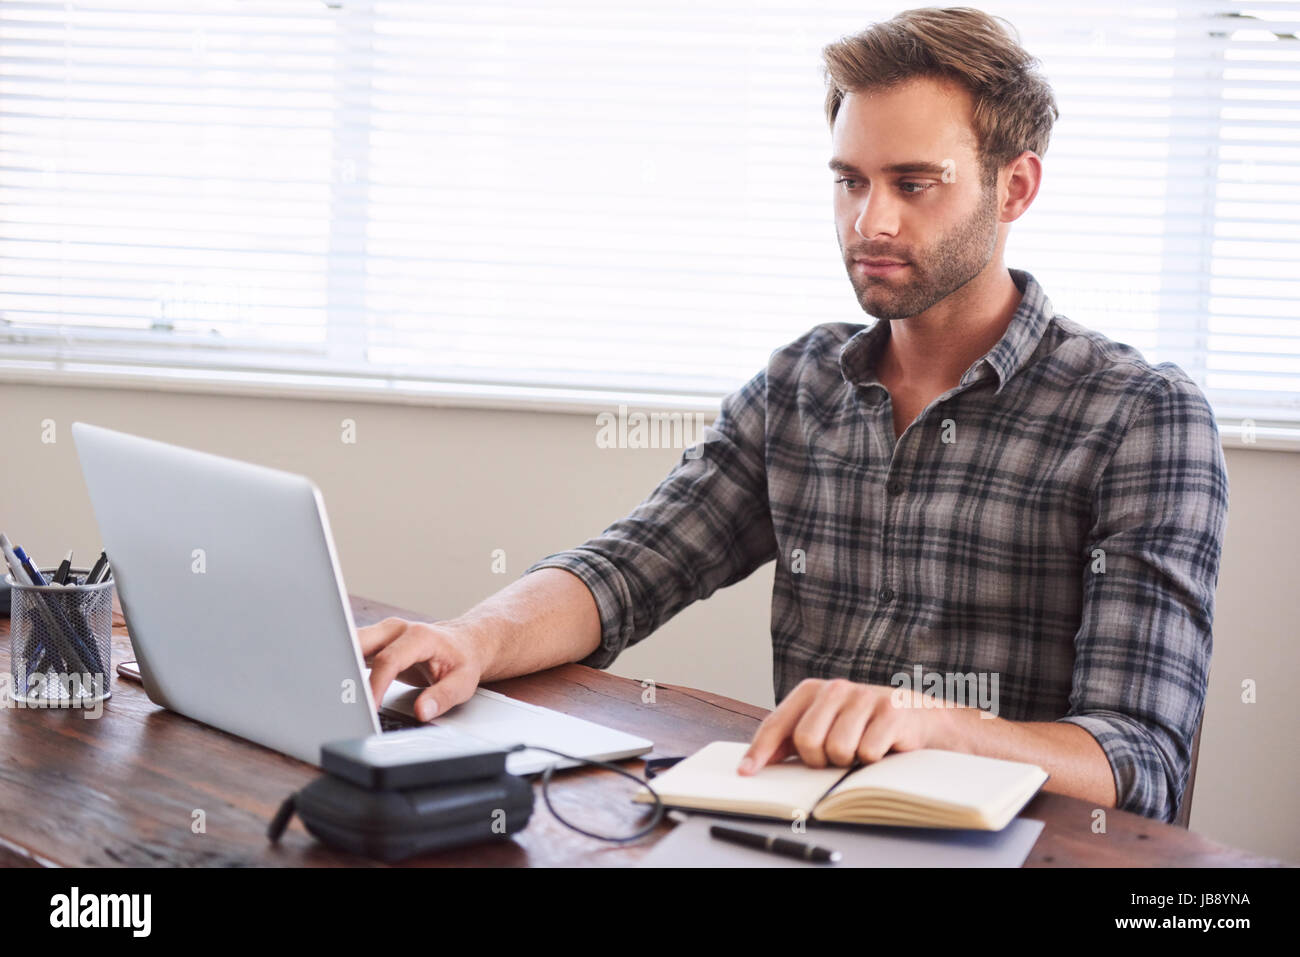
(410, 758)
(403, 793)
(396, 825)
(395, 795)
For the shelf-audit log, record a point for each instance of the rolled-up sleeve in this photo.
(1142, 652)
(707, 525)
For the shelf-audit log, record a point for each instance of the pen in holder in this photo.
(61, 641)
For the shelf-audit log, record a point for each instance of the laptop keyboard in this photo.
(390, 721)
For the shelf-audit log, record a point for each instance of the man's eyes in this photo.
(920, 187)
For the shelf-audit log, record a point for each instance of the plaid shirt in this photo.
(1054, 520)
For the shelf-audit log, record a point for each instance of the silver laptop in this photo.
(239, 618)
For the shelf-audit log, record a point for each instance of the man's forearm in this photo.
(543, 619)
(1075, 761)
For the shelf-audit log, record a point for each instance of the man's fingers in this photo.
(771, 734)
(774, 732)
(455, 687)
(393, 659)
(426, 705)
(881, 734)
(374, 637)
(809, 734)
(417, 675)
(760, 755)
(846, 731)
(783, 751)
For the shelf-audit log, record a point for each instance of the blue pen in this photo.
(35, 577)
(20, 576)
(32, 571)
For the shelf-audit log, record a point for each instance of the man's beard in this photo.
(949, 264)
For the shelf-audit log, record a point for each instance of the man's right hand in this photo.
(442, 655)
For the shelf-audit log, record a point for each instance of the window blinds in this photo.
(594, 197)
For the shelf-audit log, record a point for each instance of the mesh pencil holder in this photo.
(61, 641)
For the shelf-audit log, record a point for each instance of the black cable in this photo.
(655, 818)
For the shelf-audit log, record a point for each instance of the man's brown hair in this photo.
(1014, 105)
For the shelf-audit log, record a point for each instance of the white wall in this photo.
(426, 494)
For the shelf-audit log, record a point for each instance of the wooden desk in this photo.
(123, 789)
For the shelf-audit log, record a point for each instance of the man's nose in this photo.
(877, 216)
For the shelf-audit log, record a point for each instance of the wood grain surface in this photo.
(122, 789)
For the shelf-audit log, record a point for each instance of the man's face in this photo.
(913, 196)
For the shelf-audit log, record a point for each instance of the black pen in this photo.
(773, 844)
(98, 567)
(65, 566)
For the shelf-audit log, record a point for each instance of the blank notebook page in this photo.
(710, 774)
(965, 780)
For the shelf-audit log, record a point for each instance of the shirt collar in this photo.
(858, 355)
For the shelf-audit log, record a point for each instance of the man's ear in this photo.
(1020, 180)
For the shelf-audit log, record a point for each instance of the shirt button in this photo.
(895, 487)
(886, 594)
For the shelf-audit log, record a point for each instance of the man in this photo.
(971, 487)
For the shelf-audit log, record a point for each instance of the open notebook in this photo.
(926, 788)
